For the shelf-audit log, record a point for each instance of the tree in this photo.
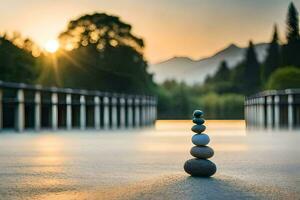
(251, 72)
(284, 78)
(101, 31)
(290, 51)
(100, 52)
(16, 64)
(272, 61)
(292, 24)
(223, 72)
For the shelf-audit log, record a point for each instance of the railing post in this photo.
(129, 113)
(246, 111)
(114, 113)
(106, 112)
(290, 111)
(1, 109)
(148, 111)
(37, 110)
(255, 112)
(144, 111)
(155, 110)
(262, 112)
(69, 111)
(20, 111)
(82, 113)
(252, 113)
(97, 112)
(137, 112)
(249, 112)
(54, 109)
(276, 111)
(122, 113)
(269, 112)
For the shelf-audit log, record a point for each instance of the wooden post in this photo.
(106, 112)
(155, 109)
(82, 113)
(262, 112)
(249, 112)
(290, 111)
(246, 112)
(54, 110)
(148, 104)
(129, 113)
(269, 112)
(20, 111)
(122, 113)
(144, 111)
(137, 116)
(1, 109)
(37, 110)
(97, 112)
(276, 111)
(69, 111)
(114, 113)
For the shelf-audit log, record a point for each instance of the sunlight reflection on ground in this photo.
(78, 165)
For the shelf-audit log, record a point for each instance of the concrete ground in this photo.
(147, 164)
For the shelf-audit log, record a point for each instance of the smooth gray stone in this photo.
(200, 139)
(200, 167)
(198, 128)
(198, 113)
(198, 121)
(202, 152)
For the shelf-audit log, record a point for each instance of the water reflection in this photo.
(59, 165)
(214, 127)
(48, 148)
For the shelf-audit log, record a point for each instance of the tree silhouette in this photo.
(251, 78)
(290, 51)
(292, 24)
(102, 53)
(101, 31)
(16, 64)
(272, 61)
(223, 72)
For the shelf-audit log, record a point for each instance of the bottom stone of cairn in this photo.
(200, 167)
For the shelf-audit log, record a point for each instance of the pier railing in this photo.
(273, 109)
(34, 107)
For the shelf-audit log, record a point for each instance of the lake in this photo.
(109, 164)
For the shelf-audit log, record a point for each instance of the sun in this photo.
(52, 46)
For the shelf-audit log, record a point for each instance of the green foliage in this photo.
(290, 51)
(16, 64)
(292, 24)
(226, 106)
(101, 31)
(223, 72)
(284, 78)
(251, 72)
(272, 61)
(105, 56)
(175, 100)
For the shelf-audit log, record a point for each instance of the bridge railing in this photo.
(273, 109)
(34, 107)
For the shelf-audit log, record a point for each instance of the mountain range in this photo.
(195, 71)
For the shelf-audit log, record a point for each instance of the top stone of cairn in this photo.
(198, 113)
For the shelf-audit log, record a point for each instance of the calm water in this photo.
(62, 165)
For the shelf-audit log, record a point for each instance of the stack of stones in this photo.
(200, 166)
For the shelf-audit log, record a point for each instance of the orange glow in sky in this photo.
(194, 28)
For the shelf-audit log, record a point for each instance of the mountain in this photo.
(195, 71)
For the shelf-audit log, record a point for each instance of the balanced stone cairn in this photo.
(200, 166)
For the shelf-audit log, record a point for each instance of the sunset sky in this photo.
(194, 28)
